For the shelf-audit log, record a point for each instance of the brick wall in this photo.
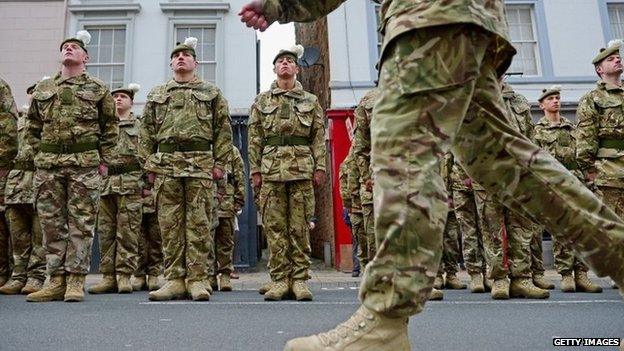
(316, 80)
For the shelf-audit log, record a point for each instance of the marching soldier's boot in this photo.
(541, 282)
(173, 289)
(224, 282)
(107, 285)
(139, 283)
(365, 330)
(123, 284)
(476, 283)
(452, 282)
(197, 290)
(436, 295)
(278, 291)
(500, 289)
(523, 287)
(567, 283)
(301, 290)
(54, 290)
(152, 283)
(583, 284)
(32, 285)
(12, 287)
(265, 287)
(75, 288)
(438, 282)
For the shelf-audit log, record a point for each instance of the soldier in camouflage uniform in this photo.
(600, 129)
(287, 154)
(349, 181)
(71, 133)
(555, 134)
(439, 76)
(185, 138)
(8, 150)
(362, 142)
(121, 203)
(150, 247)
(231, 191)
(28, 253)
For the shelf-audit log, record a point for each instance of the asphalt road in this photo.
(241, 320)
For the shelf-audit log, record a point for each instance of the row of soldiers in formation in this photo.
(492, 237)
(167, 183)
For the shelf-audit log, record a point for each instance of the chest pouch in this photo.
(285, 110)
(178, 99)
(66, 95)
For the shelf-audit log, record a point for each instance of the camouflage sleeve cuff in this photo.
(271, 10)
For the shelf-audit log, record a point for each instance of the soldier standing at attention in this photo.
(352, 211)
(447, 96)
(287, 154)
(150, 247)
(8, 150)
(28, 253)
(185, 138)
(600, 128)
(121, 203)
(555, 134)
(71, 134)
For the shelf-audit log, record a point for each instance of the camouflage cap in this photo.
(612, 48)
(295, 52)
(189, 45)
(82, 38)
(553, 90)
(130, 90)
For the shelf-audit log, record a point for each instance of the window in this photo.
(206, 48)
(107, 52)
(377, 22)
(616, 20)
(523, 35)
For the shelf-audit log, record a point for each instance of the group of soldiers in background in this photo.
(502, 251)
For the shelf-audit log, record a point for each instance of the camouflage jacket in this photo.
(19, 185)
(558, 139)
(68, 111)
(8, 134)
(400, 16)
(350, 183)
(519, 111)
(126, 153)
(280, 113)
(184, 113)
(362, 141)
(459, 176)
(600, 117)
(232, 187)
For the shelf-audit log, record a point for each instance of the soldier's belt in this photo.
(612, 144)
(123, 168)
(286, 140)
(185, 147)
(24, 166)
(68, 148)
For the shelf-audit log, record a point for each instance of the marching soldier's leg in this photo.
(224, 243)
(199, 200)
(368, 214)
(493, 229)
(564, 262)
(537, 260)
(466, 214)
(450, 255)
(274, 212)
(129, 216)
(300, 212)
(107, 228)
(357, 226)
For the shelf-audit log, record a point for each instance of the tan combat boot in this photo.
(152, 283)
(32, 285)
(500, 289)
(123, 284)
(438, 282)
(107, 285)
(583, 284)
(12, 287)
(265, 287)
(3, 280)
(301, 290)
(476, 283)
(139, 283)
(278, 291)
(54, 290)
(613, 285)
(452, 282)
(212, 281)
(224, 282)
(173, 289)
(436, 295)
(197, 290)
(365, 330)
(523, 287)
(541, 282)
(567, 283)
(487, 284)
(75, 288)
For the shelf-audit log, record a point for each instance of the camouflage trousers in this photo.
(118, 227)
(211, 259)
(450, 246)
(150, 247)
(537, 252)
(67, 203)
(182, 205)
(358, 232)
(28, 254)
(224, 245)
(468, 220)
(432, 101)
(369, 229)
(286, 209)
(5, 247)
(565, 260)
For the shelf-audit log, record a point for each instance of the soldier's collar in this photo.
(193, 83)
(563, 122)
(297, 92)
(80, 79)
(608, 86)
(130, 121)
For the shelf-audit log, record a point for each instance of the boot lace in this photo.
(358, 321)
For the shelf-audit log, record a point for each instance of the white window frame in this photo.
(216, 44)
(536, 36)
(112, 64)
(612, 33)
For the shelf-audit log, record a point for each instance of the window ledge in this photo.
(191, 6)
(101, 7)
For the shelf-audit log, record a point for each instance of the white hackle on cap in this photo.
(556, 87)
(297, 49)
(134, 87)
(615, 43)
(83, 36)
(191, 41)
